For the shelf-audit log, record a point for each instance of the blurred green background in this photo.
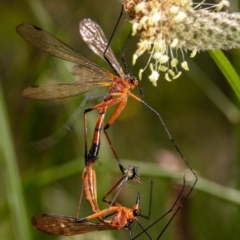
(200, 109)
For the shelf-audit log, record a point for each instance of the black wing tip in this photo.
(37, 28)
(18, 28)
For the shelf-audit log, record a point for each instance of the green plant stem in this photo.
(11, 178)
(147, 170)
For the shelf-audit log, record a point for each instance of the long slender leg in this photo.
(122, 180)
(168, 212)
(100, 213)
(150, 202)
(170, 138)
(109, 123)
(80, 196)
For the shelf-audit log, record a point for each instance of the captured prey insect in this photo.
(122, 219)
(90, 76)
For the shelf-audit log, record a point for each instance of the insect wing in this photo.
(88, 81)
(62, 225)
(91, 76)
(50, 44)
(96, 40)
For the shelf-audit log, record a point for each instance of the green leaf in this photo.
(227, 69)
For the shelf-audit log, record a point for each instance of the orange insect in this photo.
(90, 76)
(122, 219)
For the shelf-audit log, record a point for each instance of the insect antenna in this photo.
(150, 203)
(126, 66)
(109, 42)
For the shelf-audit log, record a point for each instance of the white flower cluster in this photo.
(167, 27)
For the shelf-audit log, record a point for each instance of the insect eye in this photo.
(133, 80)
(136, 212)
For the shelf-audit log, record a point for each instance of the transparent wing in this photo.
(88, 79)
(62, 225)
(93, 35)
(58, 91)
(90, 75)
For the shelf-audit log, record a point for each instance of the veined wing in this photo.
(90, 76)
(95, 38)
(52, 45)
(58, 91)
(62, 225)
(88, 79)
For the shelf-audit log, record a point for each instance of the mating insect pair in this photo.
(91, 76)
(122, 220)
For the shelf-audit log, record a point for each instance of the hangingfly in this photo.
(90, 76)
